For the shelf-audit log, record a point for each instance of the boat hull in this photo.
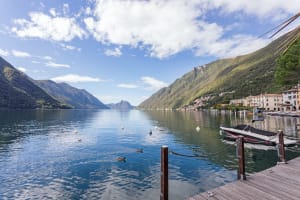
(230, 135)
(254, 136)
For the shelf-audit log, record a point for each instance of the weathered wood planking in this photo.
(279, 182)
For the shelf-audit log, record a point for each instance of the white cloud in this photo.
(66, 8)
(52, 12)
(165, 28)
(22, 69)
(129, 86)
(266, 8)
(113, 52)
(152, 24)
(236, 45)
(47, 58)
(3, 52)
(69, 47)
(20, 54)
(153, 84)
(74, 78)
(56, 65)
(48, 27)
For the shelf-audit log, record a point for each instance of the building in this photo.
(291, 101)
(272, 102)
(236, 102)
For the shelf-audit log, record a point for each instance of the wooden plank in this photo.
(274, 188)
(219, 194)
(283, 179)
(276, 183)
(280, 184)
(252, 192)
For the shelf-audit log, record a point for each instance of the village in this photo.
(288, 100)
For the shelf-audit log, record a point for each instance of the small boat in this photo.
(253, 135)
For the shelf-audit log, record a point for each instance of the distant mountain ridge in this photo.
(226, 79)
(122, 105)
(17, 90)
(77, 98)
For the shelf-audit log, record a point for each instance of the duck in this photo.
(139, 150)
(121, 159)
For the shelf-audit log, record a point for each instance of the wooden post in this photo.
(280, 145)
(164, 185)
(241, 158)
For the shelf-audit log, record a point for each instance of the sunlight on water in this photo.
(73, 154)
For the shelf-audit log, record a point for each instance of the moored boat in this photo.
(253, 135)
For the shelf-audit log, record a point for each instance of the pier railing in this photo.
(241, 172)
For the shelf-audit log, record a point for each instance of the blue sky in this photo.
(126, 49)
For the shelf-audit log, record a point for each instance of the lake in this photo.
(72, 154)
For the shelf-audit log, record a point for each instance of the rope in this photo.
(199, 156)
(185, 155)
(294, 150)
(293, 138)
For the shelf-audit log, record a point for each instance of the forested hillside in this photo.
(237, 77)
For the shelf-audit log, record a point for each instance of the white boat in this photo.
(253, 135)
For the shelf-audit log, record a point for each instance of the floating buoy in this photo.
(197, 128)
(139, 150)
(79, 140)
(75, 131)
(121, 159)
(150, 133)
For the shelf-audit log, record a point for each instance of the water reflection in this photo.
(207, 141)
(71, 154)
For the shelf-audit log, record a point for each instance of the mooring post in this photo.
(164, 185)
(241, 175)
(280, 147)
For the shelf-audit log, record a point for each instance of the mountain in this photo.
(17, 90)
(226, 79)
(77, 98)
(122, 105)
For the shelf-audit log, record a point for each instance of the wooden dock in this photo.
(279, 182)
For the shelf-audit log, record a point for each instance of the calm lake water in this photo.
(71, 154)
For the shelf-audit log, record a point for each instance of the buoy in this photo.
(121, 159)
(139, 150)
(75, 131)
(150, 133)
(197, 128)
(79, 140)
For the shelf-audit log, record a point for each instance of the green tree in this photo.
(288, 66)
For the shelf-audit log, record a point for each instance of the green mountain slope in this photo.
(225, 79)
(77, 98)
(17, 90)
